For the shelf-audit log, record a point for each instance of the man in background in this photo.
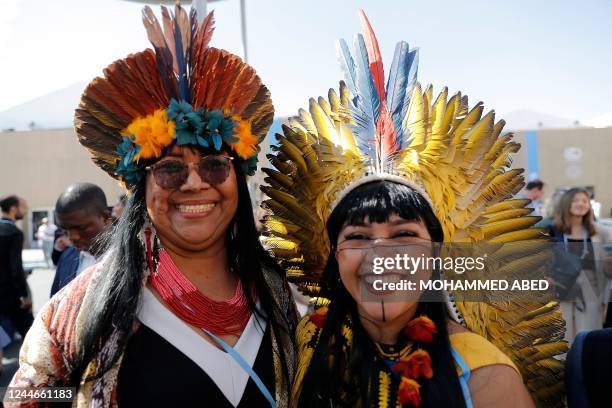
(15, 298)
(534, 190)
(81, 211)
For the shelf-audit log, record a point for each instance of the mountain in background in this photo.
(54, 110)
(525, 119)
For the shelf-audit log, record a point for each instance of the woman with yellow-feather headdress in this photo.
(377, 171)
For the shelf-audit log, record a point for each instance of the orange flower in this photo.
(319, 316)
(417, 364)
(409, 392)
(152, 133)
(421, 329)
(246, 146)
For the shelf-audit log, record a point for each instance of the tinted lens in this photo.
(170, 174)
(214, 169)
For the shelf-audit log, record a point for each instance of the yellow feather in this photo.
(531, 233)
(494, 229)
(507, 205)
(508, 214)
(415, 121)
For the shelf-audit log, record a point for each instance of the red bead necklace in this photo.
(227, 317)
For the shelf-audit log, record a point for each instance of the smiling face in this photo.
(580, 205)
(195, 216)
(356, 245)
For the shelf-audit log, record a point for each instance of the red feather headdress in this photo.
(133, 112)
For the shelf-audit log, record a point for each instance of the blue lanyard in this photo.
(585, 249)
(5, 221)
(464, 378)
(245, 366)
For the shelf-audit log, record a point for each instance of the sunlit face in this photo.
(580, 205)
(388, 239)
(196, 216)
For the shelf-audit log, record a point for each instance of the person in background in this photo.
(118, 208)
(5, 340)
(549, 207)
(574, 227)
(589, 356)
(82, 212)
(60, 244)
(534, 190)
(15, 298)
(46, 237)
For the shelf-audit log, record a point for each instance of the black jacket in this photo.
(12, 278)
(66, 269)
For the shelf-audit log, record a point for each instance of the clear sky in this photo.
(553, 56)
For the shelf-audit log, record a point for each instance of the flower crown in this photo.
(146, 138)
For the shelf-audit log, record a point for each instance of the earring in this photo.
(150, 243)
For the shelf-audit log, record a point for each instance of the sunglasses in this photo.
(172, 174)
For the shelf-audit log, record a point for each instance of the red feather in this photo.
(374, 56)
(385, 131)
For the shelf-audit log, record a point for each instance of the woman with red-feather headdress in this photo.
(186, 307)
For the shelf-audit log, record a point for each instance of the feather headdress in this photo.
(455, 156)
(181, 92)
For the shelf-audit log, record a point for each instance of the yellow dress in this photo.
(470, 350)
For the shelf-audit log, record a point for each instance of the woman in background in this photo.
(586, 299)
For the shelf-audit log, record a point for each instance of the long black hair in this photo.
(376, 201)
(121, 281)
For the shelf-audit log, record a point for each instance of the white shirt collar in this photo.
(225, 372)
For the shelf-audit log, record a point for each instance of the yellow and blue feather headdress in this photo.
(455, 156)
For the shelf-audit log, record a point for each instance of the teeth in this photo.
(195, 208)
(386, 278)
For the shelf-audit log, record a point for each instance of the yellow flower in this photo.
(246, 146)
(152, 133)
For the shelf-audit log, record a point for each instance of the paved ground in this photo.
(40, 283)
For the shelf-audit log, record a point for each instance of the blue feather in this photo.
(402, 79)
(347, 65)
(367, 103)
(412, 63)
(181, 63)
(396, 86)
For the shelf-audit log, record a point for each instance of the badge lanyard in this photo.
(585, 249)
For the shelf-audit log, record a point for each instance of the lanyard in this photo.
(5, 221)
(585, 249)
(245, 366)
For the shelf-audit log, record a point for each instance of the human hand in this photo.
(62, 243)
(26, 303)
